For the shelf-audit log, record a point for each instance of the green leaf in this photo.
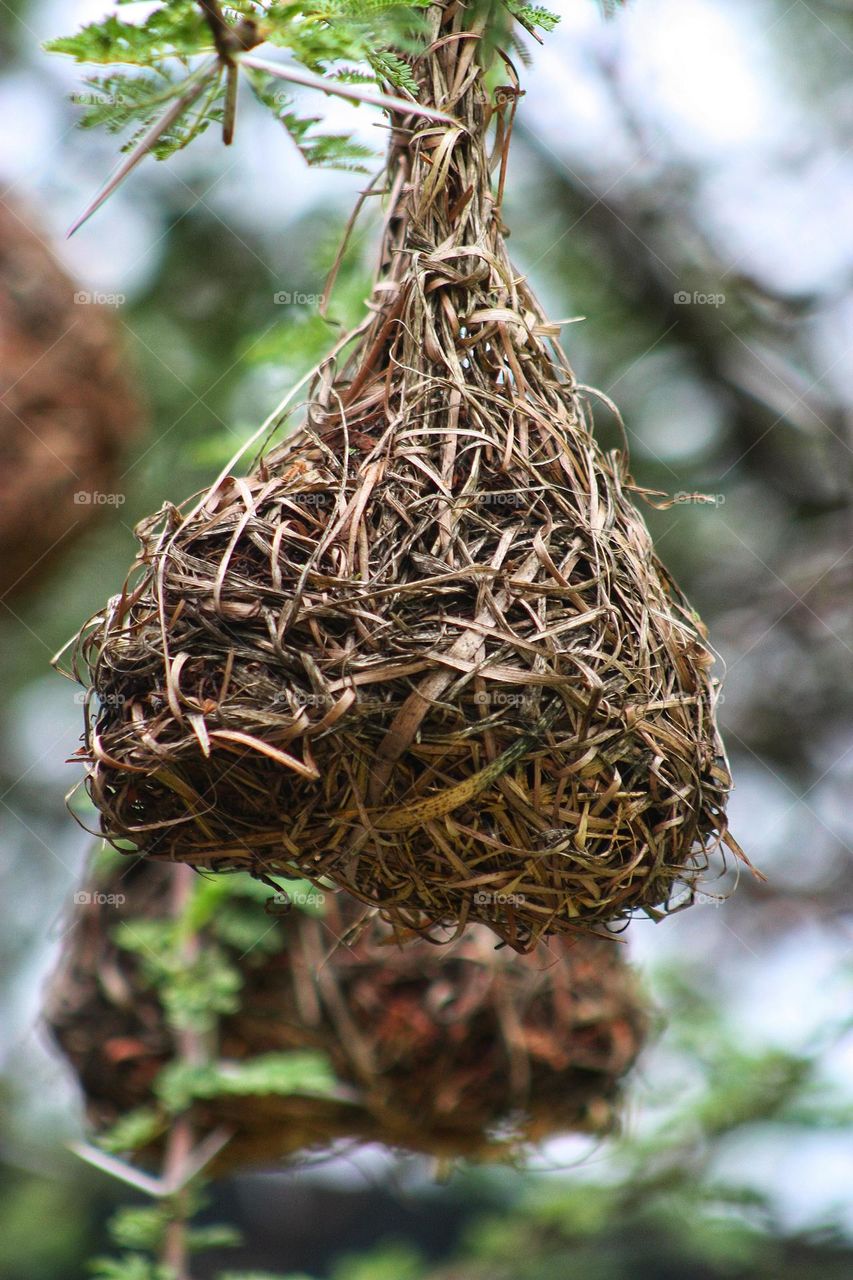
(396, 71)
(115, 101)
(132, 1131)
(177, 29)
(190, 124)
(302, 893)
(245, 928)
(334, 151)
(218, 1235)
(180, 1083)
(194, 993)
(152, 940)
(533, 15)
(259, 1275)
(319, 35)
(389, 1262)
(131, 1266)
(209, 894)
(233, 909)
(138, 1228)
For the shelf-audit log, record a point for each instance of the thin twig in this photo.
(195, 86)
(221, 31)
(191, 1049)
(353, 92)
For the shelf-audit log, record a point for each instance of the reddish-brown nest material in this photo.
(67, 411)
(458, 1051)
(425, 649)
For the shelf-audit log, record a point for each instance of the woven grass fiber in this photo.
(461, 1051)
(424, 651)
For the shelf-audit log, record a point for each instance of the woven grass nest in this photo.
(67, 409)
(461, 1051)
(424, 649)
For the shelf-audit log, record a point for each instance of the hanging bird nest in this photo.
(67, 411)
(460, 1051)
(425, 649)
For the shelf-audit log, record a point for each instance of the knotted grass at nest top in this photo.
(424, 650)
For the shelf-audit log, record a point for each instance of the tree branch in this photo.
(229, 40)
(192, 1049)
(219, 28)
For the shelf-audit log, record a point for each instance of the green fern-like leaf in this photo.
(117, 101)
(533, 15)
(179, 1083)
(218, 1235)
(393, 70)
(190, 124)
(138, 1227)
(130, 1266)
(336, 151)
(176, 29)
(132, 1131)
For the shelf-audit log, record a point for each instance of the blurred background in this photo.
(681, 178)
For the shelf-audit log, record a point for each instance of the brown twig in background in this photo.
(190, 1048)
